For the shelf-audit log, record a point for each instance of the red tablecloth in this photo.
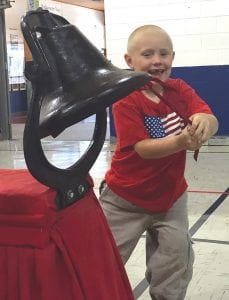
(46, 254)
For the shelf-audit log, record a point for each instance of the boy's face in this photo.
(151, 52)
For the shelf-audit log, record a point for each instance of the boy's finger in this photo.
(190, 129)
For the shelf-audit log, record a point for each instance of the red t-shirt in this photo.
(153, 184)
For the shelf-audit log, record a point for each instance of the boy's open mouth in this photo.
(156, 72)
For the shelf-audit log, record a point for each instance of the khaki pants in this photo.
(169, 254)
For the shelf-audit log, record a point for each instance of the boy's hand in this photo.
(203, 126)
(188, 140)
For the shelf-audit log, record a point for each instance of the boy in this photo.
(146, 188)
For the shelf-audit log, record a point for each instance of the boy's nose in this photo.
(156, 59)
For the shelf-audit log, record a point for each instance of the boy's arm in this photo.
(204, 126)
(162, 147)
(192, 137)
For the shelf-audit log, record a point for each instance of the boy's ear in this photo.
(128, 60)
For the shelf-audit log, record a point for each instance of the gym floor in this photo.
(208, 207)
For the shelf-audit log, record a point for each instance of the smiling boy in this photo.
(146, 188)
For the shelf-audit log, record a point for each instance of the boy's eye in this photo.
(164, 54)
(150, 54)
(147, 54)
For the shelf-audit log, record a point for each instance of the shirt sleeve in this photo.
(129, 123)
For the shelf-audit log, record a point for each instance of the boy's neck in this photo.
(151, 96)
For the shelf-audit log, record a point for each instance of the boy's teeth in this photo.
(155, 72)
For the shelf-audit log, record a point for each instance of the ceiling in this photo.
(93, 4)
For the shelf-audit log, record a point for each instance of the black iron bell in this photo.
(71, 80)
(76, 80)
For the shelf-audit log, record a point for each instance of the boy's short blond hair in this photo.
(145, 28)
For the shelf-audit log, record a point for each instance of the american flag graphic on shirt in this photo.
(159, 127)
